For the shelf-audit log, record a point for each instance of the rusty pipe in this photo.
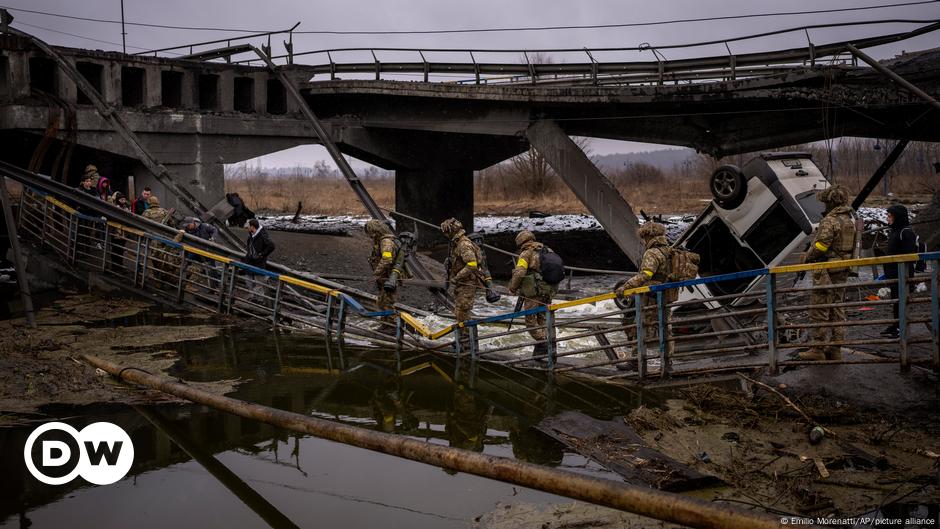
(660, 505)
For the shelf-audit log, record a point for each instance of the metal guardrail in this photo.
(568, 70)
(661, 338)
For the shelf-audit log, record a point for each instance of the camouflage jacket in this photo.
(835, 237)
(383, 257)
(465, 260)
(654, 267)
(156, 214)
(527, 264)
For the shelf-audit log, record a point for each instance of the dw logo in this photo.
(55, 453)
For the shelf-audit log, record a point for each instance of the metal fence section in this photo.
(184, 274)
(658, 333)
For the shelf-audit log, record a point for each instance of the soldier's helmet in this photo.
(91, 170)
(524, 236)
(836, 195)
(153, 201)
(377, 228)
(650, 230)
(451, 226)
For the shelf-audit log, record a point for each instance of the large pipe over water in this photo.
(660, 505)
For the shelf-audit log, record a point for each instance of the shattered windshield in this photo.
(814, 209)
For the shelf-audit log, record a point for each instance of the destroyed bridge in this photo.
(173, 123)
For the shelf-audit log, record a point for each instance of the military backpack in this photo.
(551, 266)
(683, 265)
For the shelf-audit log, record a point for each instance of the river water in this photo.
(197, 467)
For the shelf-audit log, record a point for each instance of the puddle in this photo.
(195, 466)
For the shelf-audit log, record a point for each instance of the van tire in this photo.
(729, 186)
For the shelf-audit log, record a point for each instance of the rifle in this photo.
(405, 246)
(447, 263)
(491, 295)
(519, 301)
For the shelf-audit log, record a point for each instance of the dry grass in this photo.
(318, 195)
(526, 182)
(335, 197)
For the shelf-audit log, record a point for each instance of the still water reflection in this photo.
(196, 467)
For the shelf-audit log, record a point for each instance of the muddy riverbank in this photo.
(40, 367)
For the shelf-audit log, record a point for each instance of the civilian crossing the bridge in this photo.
(835, 241)
(142, 203)
(463, 269)
(258, 248)
(197, 228)
(529, 282)
(901, 240)
(87, 184)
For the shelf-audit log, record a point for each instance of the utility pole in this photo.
(123, 32)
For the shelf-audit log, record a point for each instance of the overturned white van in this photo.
(761, 214)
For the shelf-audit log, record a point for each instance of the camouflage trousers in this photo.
(385, 300)
(831, 313)
(463, 301)
(163, 264)
(536, 322)
(650, 319)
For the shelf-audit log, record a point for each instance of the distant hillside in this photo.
(665, 159)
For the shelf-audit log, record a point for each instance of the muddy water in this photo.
(195, 467)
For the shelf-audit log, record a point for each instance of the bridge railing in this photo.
(586, 65)
(746, 319)
(729, 331)
(187, 275)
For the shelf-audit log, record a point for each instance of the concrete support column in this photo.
(19, 75)
(68, 90)
(261, 92)
(434, 194)
(188, 97)
(226, 91)
(111, 84)
(153, 86)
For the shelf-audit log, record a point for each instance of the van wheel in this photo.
(728, 186)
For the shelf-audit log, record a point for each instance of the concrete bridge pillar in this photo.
(434, 194)
(433, 172)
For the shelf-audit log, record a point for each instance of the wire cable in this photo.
(487, 30)
(610, 26)
(20, 23)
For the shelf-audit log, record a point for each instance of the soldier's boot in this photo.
(626, 354)
(813, 354)
(833, 352)
(540, 350)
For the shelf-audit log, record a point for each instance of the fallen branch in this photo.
(789, 402)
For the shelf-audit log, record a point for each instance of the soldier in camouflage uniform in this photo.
(527, 282)
(835, 241)
(384, 248)
(162, 260)
(155, 212)
(654, 270)
(464, 271)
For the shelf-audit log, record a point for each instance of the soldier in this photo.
(835, 241)
(154, 212)
(382, 259)
(527, 281)
(654, 270)
(464, 273)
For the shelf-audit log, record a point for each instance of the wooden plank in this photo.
(615, 445)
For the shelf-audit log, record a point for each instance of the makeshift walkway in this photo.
(589, 335)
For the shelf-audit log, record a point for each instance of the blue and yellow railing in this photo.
(230, 281)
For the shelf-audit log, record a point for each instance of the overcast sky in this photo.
(397, 15)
